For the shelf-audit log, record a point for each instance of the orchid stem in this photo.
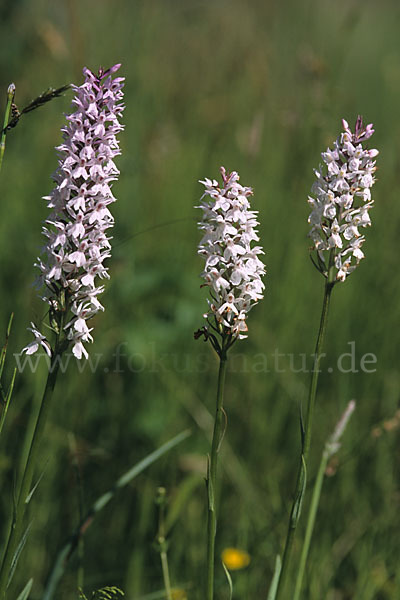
(26, 483)
(302, 469)
(212, 475)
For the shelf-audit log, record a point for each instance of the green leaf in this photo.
(5, 397)
(299, 500)
(26, 591)
(210, 489)
(275, 579)
(7, 401)
(138, 468)
(229, 578)
(33, 490)
(4, 348)
(17, 554)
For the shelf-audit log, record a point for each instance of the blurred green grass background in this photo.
(261, 88)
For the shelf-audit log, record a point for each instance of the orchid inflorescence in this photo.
(342, 201)
(77, 243)
(233, 269)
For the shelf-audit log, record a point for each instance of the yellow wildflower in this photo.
(235, 559)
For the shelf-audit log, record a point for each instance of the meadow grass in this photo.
(259, 87)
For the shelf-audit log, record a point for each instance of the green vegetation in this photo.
(261, 88)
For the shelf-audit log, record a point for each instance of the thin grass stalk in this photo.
(332, 446)
(212, 475)
(165, 572)
(7, 401)
(26, 483)
(310, 523)
(3, 351)
(5, 395)
(306, 439)
(10, 98)
(162, 542)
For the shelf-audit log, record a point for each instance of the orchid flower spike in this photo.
(233, 269)
(340, 202)
(76, 240)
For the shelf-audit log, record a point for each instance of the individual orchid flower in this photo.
(39, 340)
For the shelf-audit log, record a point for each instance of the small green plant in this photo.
(105, 593)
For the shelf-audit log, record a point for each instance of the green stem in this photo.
(310, 522)
(165, 571)
(302, 470)
(23, 497)
(162, 544)
(212, 475)
(10, 98)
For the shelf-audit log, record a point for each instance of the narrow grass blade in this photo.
(137, 469)
(26, 591)
(302, 488)
(3, 351)
(69, 548)
(17, 554)
(33, 490)
(229, 578)
(5, 397)
(7, 401)
(275, 579)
